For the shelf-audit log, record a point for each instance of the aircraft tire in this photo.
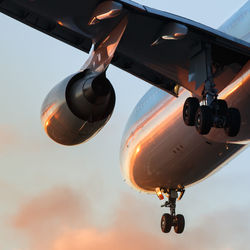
(166, 223)
(203, 120)
(189, 110)
(179, 223)
(233, 122)
(223, 109)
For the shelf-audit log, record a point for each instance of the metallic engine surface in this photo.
(63, 122)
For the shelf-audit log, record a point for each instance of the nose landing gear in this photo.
(172, 220)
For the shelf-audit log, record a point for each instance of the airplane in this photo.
(199, 77)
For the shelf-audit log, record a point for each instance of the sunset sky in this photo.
(54, 197)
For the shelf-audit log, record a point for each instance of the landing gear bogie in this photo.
(216, 115)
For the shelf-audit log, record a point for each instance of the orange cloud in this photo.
(58, 220)
(51, 207)
(13, 138)
(115, 239)
(8, 137)
(45, 217)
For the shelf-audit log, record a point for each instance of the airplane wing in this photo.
(148, 49)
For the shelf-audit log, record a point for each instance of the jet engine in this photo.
(78, 107)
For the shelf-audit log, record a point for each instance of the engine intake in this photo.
(78, 107)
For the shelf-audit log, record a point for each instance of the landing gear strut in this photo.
(172, 220)
(213, 112)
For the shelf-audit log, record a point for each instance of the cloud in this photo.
(92, 239)
(60, 219)
(8, 137)
(47, 216)
(17, 139)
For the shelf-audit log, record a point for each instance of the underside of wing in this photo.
(161, 48)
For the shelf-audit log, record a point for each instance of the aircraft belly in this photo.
(161, 151)
(178, 160)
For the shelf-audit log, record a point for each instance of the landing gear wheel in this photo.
(166, 223)
(179, 223)
(223, 109)
(189, 110)
(233, 122)
(203, 120)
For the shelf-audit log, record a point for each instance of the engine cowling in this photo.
(78, 107)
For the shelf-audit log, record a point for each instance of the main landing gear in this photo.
(217, 115)
(213, 112)
(172, 220)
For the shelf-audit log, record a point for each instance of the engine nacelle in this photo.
(78, 107)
